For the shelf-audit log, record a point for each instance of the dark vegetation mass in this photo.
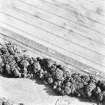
(15, 64)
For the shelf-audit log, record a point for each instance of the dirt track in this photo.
(26, 91)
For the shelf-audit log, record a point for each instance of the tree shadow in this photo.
(49, 91)
(6, 76)
(93, 101)
(47, 88)
(86, 100)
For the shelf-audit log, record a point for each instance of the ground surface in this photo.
(32, 93)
